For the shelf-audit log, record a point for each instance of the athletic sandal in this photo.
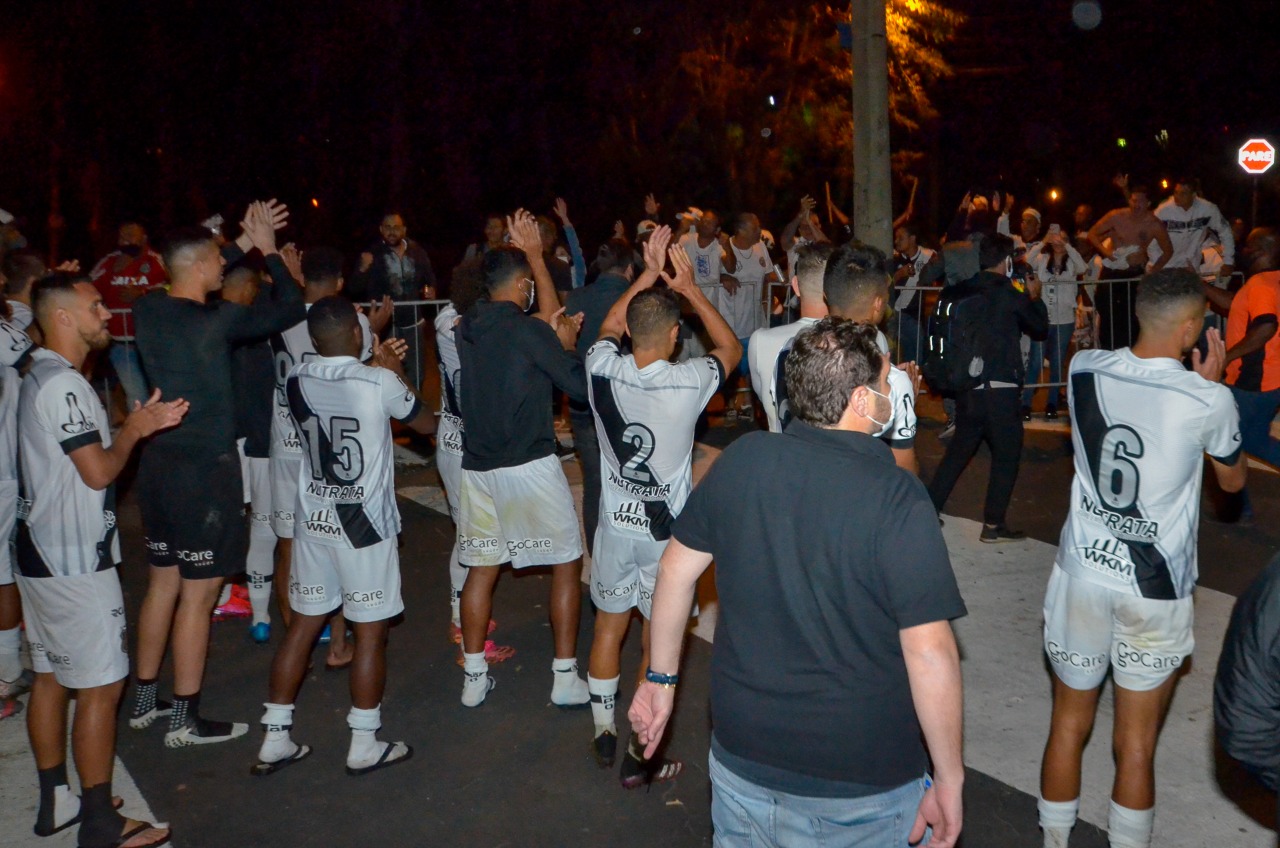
(493, 653)
(637, 773)
(116, 803)
(133, 833)
(455, 632)
(386, 759)
(605, 749)
(262, 769)
(162, 709)
(200, 731)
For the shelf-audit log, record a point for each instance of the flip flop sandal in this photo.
(636, 773)
(125, 837)
(116, 803)
(10, 708)
(262, 769)
(493, 653)
(385, 760)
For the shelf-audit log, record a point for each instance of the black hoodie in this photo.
(510, 361)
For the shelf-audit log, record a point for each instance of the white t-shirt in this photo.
(707, 264)
(645, 419)
(72, 528)
(290, 348)
(449, 434)
(22, 315)
(1060, 290)
(1140, 428)
(907, 294)
(744, 308)
(346, 480)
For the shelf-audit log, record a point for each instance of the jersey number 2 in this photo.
(636, 467)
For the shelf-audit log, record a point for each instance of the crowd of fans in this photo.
(261, 400)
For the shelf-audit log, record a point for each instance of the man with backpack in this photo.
(974, 352)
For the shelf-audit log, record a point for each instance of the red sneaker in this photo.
(235, 607)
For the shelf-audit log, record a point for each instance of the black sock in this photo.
(144, 696)
(101, 824)
(185, 707)
(50, 780)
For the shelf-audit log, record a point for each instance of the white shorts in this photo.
(76, 627)
(450, 467)
(624, 569)
(1088, 627)
(523, 515)
(8, 520)
(257, 485)
(365, 582)
(284, 494)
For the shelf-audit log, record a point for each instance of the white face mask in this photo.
(1008, 267)
(888, 422)
(532, 294)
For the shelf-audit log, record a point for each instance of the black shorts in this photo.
(193, 511)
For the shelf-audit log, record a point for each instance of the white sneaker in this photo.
(476, 687)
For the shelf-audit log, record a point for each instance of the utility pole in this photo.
(872, 191)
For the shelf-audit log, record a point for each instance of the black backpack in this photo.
(957, 329)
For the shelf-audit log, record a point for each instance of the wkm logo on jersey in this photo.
(323, 524)
(630, 515)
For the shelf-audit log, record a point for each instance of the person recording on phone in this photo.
(1058, 266)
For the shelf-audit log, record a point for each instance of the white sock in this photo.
(259, 565)
(277, 744)
(225, 596)
(1056, 820)
(10, 654)
(477, 683)
(1128, 828)
(568, 689)
(365, 748)
(603, 695)
(66, 805)
(457, 579)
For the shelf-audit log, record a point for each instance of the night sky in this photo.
(167, 112)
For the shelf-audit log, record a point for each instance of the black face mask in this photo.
(131, 249)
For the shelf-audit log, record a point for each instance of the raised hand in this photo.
(390, 354)
(380, 314)
(293, 261)
(655, 249)
(71, 266)
(807, 205)
(1210, 366)
(913, 374)
(619, 229)
(366, 262)
(259, 227)
(651, 205)
(523, 229)
(562, 212)
(682, 281)
(276, 213)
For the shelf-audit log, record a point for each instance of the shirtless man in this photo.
(1121, 237)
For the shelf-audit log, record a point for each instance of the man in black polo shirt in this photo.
(833, 654)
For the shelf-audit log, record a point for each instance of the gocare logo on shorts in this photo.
(1128, 656)
(366, 600)
(157, 547)
(1084, 662)
(315, 593)
(478, 543)
(617, 591)
(196, 557)
(528, 546)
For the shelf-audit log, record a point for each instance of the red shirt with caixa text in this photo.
(118, 272)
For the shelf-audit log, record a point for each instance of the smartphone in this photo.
(1055, 230)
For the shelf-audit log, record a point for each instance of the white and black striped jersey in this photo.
(346, 480)
(767, 355)
(645, 418)
(15, 349)
(1140, 428)
(65, 527)
(288, 349)
(449, 433)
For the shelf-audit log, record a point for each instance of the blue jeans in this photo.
(1256, 411)
(745, 815)
(1057, 343)
(908, 327)
(128, 367)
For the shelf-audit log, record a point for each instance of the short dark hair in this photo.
(51, 287)
(911, 228)
(1162, 293)
(827, 362)
(615, 254)
(466, 284)
(1139, 189)
(811, 266)
(855, 274)
(239, 275)
(20, 270)
(744, 220)
(651, 314)
(994, 248)
(1188, 181)
(182, 240)
(500, 265)
(329, 321)
(322, 265)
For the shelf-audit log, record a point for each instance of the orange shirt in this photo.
(1258, 299)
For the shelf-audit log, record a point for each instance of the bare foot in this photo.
(340, 655)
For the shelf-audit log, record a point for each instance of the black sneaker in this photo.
(200, 731)
(605, 749)
(1000, 533)
(1026, 413)
(1051, 413)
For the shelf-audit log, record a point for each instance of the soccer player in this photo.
(189, 486)
(646, 409)
(322, 277)
(515, 504)
(1120, 592)
(67, 552)
(344, 554)
(15, 354)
